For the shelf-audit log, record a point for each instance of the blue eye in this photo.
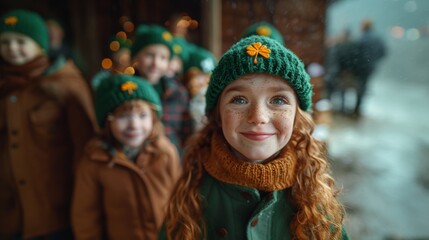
(239, 100)
(278, 101)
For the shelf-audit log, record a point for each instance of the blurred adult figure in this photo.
(372, 49)
(343, 68)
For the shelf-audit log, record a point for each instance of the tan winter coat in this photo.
(116, 198)
(43, 130)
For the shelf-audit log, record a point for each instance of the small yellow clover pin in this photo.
(257, 48)
(177, 49)
(167, 36)
(128, 86)
(11, 20)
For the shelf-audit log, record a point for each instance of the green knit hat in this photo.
(117, 89)
(264, 29)
(181, 48)
(151, 34)
(259, 54)
(201, 59)
(28, 23)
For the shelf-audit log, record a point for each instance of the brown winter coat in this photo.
(116, 198)
(43, 130)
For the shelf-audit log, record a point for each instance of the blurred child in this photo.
(197, 76)
(120, 61)
(151, 54)
(255, 171)
(46, 118)
(59, 47)
(264, 29)
(179, 59)
(127, 174)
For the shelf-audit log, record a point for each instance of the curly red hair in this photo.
(319, 214)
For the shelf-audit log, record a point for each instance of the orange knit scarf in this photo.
(275, 175)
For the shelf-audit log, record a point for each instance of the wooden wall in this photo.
(300, 21)
(90, 23)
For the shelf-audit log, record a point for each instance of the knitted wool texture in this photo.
(281, 62)
(117, 89)
(264, 29)
(27, 23)
(275, 175)
(151, 34)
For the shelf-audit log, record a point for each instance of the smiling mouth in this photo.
(132, 135)
(256, 136)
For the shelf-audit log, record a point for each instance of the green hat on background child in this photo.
(117, 89)
(151, 34)
(28, 23)
(181, 48)
(200, 58)
(259, 54)
(264, 29)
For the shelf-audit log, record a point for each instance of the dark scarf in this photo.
(13, 77)
(275, 175)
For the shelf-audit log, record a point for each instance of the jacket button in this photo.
(14, 132)
(22, 182)
(222, 232)
(14, 145)
(254, 222)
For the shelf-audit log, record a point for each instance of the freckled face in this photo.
(257, 115)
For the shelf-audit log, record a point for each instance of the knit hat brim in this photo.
(259, 54)
(28, 23)
(117, 89)
(151, 34)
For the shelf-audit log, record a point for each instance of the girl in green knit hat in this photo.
(127, 173)
(255, 171)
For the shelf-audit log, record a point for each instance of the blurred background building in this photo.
(214, 24)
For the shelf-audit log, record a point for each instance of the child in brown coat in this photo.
(127, 174)
(46, 118)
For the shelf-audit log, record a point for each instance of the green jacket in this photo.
(240, 213)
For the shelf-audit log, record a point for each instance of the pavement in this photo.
(381, 160)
